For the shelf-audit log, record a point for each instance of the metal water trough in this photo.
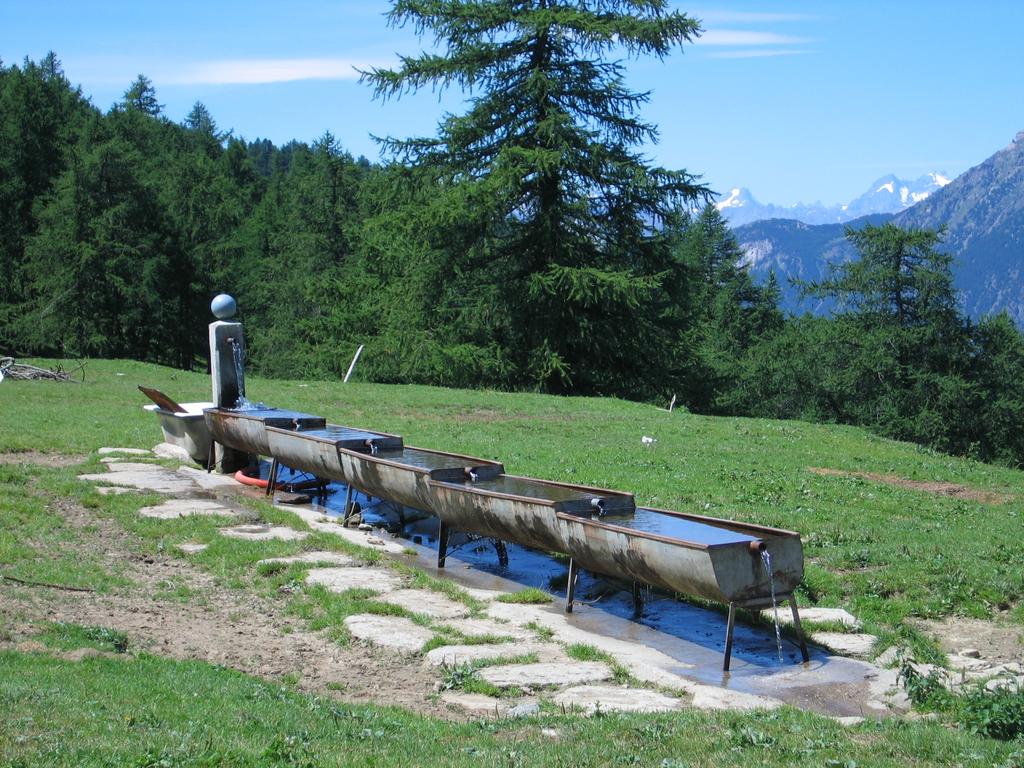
(604, 532)
(599, 529)
(316, 450)
(376, 463)
(705, 557)
(519, 509)
(246, 429)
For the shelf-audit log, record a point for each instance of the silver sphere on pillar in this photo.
(224, 307)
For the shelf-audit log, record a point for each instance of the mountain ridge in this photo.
(982, 211)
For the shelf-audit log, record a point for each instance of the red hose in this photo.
(246, 479)
(256, 481)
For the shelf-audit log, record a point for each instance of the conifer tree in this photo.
(565, 216)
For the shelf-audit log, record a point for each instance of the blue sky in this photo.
(799, 101)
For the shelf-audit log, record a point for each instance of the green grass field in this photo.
(884, 552)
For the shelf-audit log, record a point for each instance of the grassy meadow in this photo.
(884, 552)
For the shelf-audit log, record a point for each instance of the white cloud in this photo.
(746, 17)
(253, 71)
(747, 37)
(757, 53)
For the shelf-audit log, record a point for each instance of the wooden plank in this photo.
(161, 399)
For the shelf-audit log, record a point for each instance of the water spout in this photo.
(766, 558)
(473, 476)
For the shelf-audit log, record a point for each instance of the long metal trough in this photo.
(701, 556)
(601, 530)
(521, 509)
(316, 450)
(376, 463)
(246, 429)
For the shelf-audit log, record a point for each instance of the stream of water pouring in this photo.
(766, 558)
(242, 404)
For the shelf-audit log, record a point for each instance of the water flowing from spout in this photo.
(242, 404)
(766, 558)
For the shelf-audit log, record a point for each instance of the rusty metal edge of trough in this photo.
(326, 439)
(533, 499)
(378, 459)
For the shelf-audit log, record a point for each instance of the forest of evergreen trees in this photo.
(481, 258)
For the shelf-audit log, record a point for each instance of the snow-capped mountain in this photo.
(982, 211)
(888, 194)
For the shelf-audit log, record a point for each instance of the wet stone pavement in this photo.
(673, 647)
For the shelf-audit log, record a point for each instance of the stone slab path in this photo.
(113, 490)
(855, 644)
(543, 674)
(175, 508)
(477, 704)
(393, 632)
(171, 451)
(313, 558)
(823, 615)
(607, 698)
(492, 628)
(263, 532)
(144, 477)
(209, 481)
(433, 604)
(344, 579)
(454, 655)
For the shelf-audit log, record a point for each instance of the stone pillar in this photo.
(228, 384)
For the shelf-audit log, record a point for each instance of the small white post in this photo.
(672, 404)
(352, 365)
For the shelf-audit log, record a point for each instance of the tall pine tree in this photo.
(563, 236)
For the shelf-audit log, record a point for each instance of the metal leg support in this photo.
(442, 543)
(730, 626)
(570, 588)
(347, 509)
(502, 551)
(211, 458)
(638, 600)
(799, 629)
(272, 478)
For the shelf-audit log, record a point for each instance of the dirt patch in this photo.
(39, 459)
(943, 489)
(233, 628)
(998, 643)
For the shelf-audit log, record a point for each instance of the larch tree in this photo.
(566, 222)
